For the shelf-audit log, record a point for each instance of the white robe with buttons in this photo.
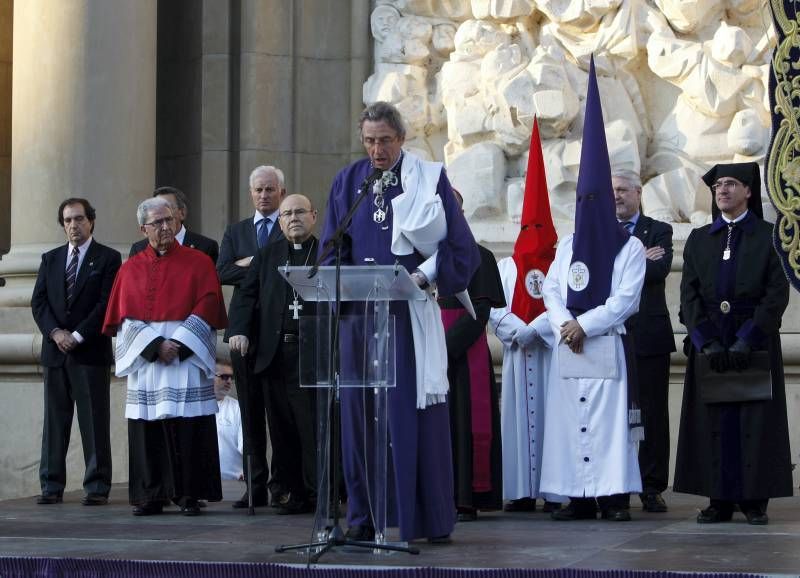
(588, 450)
(523, 395)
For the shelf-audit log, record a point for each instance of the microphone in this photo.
(371, 178)
(338, 235)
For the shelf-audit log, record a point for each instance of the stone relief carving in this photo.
(683, 84)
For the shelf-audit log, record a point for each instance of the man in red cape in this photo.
(525, 359)
(165, 308)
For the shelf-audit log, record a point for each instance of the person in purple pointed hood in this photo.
(592, 420)
(733, 295)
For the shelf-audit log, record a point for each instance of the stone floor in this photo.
(669, 542)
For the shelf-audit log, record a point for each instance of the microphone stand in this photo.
(336, 537)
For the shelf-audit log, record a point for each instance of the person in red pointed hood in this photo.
(518, 325)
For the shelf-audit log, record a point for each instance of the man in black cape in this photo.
(733, 294)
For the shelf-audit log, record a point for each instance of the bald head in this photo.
(297, 218)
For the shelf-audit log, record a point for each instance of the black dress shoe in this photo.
(190, 507)
(521, 505)
(45, 499)
(571, 512)
(653, 502)
(259, 500)
(713, 515)
(616, 514)
(294, 506)
(550, 507)
(445, 539)
(467, 514)
(148, 509)
(756, 517)
(94, 500)
(360, 533)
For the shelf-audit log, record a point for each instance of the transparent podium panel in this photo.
(366, 346)
(366, 372)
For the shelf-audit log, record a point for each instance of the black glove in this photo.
(717, 356)
(739, 355)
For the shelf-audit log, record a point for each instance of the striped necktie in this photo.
(629, 225)
(263, 231)
(72, 273)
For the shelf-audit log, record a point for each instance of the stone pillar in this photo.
(83, 124)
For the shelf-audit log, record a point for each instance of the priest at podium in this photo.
(410, 217)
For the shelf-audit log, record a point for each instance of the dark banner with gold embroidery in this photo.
(783, 156)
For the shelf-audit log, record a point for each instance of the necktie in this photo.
(629, 225)
(72, 270)
(263, 232)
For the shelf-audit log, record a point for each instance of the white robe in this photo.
(160, 391)
(588, 449)
(522, 396)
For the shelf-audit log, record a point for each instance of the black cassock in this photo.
(473, 397)
(733, 451)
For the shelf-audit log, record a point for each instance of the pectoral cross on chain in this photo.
(295, 307)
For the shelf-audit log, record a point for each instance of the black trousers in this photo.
(653, 374)
(254, 425)
(291, 414)
(173, 459)
(85, 387)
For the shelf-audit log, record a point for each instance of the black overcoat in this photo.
(751, 436)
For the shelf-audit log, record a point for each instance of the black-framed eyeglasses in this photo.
(724, 185)
(159, 223)
(288, 214)
(225, 376)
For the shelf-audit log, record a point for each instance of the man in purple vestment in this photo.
(385, 229)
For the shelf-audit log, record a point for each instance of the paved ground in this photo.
(671, 541)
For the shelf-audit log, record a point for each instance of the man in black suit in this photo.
(240, 243)
(180, 210)
(68, 303)
(290, 408)
(652, 337)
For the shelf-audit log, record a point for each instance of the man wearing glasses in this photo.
(733, 448)
(240, 243)
(274, 352)
(229, 425)
(180, 211)
(165, 308)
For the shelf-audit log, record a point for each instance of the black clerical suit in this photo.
(82, 377)
(290, 409)
(733, 452)
(193, 240)
(240, 240)
(653, 342)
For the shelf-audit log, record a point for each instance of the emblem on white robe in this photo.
(578, 278)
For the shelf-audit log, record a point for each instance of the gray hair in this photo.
(267, 169)
(383, 111)
(632, 177)
(148, 205)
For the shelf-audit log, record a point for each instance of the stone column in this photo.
(83, 124)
